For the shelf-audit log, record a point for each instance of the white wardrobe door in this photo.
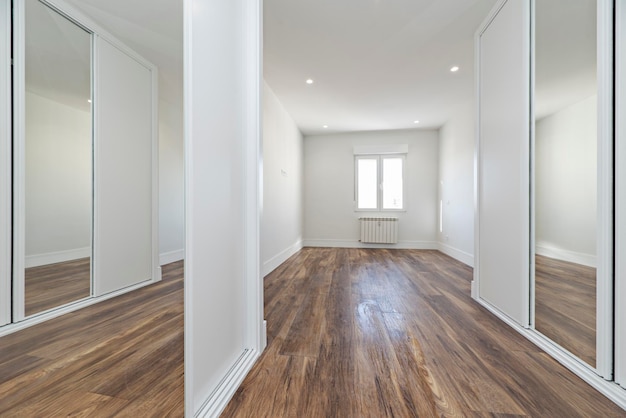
(620, 166)
(123, 170)
(5, 162)
(503, 161)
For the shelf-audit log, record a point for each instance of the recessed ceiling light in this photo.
(416, 122)
(454, 69)
(309, 81)
(89, 100)
(325, 126)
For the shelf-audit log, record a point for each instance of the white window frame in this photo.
(379, 192)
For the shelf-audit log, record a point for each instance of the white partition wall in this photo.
(125, 166)
(5, 162)
(503, 176)
(223, 289)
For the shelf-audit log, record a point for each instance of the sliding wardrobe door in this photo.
(573, 178)
(502, 265)
(125, 170)
(5, 162)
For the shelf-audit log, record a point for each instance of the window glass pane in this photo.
(367, 183)
(392, 183)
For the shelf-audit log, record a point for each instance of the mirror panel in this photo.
(565, 174)
(58, 160)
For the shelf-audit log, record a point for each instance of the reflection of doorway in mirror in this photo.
(57, 160)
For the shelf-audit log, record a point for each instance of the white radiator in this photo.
(379, 230)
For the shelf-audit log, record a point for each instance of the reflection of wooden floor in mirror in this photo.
(57, 284)
(565, 305)
(122, 357)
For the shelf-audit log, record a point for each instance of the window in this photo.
(379, 182)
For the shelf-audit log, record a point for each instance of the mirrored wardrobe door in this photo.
(54, 162)
(566, 174)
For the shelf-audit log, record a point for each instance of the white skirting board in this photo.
(171, 256)
(217, 401)
(403, 245)
(462, 256)
(56, 257)
(280, 258)
(565, 255)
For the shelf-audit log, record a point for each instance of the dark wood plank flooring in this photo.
(565, 305)
(54, 285)
(394, 333)
(119, 358)
(352, 333)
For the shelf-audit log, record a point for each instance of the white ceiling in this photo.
(376, 64)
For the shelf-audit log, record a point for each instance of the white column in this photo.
(223, 292)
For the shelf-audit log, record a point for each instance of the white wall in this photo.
(171, 149)
(566, 183)
(171, 180)
(456, 184)
(58, 181)
(329, 215)
(281, 220)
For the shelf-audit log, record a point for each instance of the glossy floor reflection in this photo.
(394, 333)
(565, 305)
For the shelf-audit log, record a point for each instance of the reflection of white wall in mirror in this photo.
(566, 183)
(58, 181)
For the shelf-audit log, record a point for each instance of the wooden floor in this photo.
(119, 358)
(565, 305)
(352, 333)
(379, 333)
(54, 285)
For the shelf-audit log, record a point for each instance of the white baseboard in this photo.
(462, 256)
(56, 257)
(171, 256)
(565, 255)
(402, 245)
(224, 392)
(609, 389)
(280, 258)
